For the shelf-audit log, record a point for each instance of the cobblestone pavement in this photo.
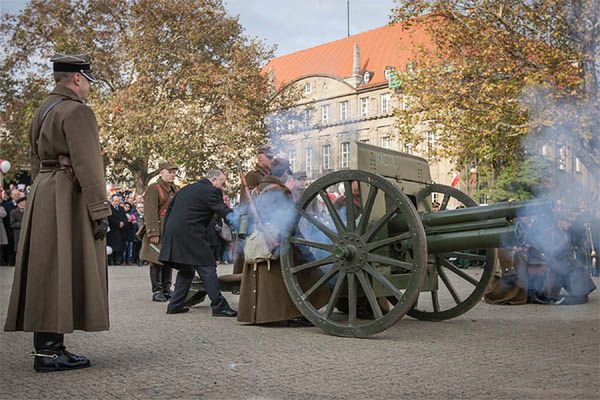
(492, 352)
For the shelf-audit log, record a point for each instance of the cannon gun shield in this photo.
(349, 247)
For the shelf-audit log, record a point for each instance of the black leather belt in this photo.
(50, 165)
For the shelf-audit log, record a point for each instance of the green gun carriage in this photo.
(383, 249)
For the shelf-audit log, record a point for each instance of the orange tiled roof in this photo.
(389, 45)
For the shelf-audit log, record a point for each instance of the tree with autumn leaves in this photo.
(503, 78)
(179, 81)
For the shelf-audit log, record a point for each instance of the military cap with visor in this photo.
(167, 165)
(266, 150)
(81, 63)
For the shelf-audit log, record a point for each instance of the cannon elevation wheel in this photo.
(347, 244)
(458, 291)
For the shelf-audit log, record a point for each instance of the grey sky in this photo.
(294, 25)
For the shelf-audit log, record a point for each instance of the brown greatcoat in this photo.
(60, 282)
(263, 295)
(253, 179)
(152, 220)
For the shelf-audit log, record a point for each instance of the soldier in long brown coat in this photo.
(254, 178)
(157, 198)
(263, 295)
(60, 281)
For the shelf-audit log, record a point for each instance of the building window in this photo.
(408, 148)
(326, 150)
(431, 142)
(384, 103)
(404, 102)
(307, 88)
(578, 168)
(343, 110)
(292, 159)
(325, 114)
(307, 117)
(386, 143)
(308, 159)
(364, 107)
(364, 141)
(345, 154)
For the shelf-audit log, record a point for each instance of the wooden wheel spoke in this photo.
(326, 276)
(448, 284)
(435, 301)
(335, 294)
(385, 242)
(310, 243)
(317, 263)
(321, 226)
(366, 214)
(467, 256)
(350, 217)
(379, 224)
(351, 299)
(458, 272)
(368, 289)
(390, 261)
(383, 280)
(335, 216)
(445, 201)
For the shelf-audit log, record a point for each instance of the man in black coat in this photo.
(185, 243)
(116, 235)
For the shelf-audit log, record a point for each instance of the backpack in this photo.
(256, 249)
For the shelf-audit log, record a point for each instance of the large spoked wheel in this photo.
(345, 243)
(462, 276)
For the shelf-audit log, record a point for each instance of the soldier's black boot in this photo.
(51, 355)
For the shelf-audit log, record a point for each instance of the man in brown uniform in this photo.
(253, 179)
(60, 282)
(157, 198)
(263, 295)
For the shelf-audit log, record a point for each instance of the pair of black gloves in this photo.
(101, 229)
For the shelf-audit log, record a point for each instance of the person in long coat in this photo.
(3, 236)
(60, 280)
(263, 295)
(116, 235)
(254, 178)
(185, 243)
(157, 198)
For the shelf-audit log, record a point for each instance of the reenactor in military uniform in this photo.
(263, 294)
(60, 281)
(157, 198)
(253, 179)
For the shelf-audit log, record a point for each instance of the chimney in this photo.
(356, 73)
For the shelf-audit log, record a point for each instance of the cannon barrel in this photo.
(508, 209)
(474, 239)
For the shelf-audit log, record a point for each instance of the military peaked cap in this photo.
(167, 165)
(265, 149)
(81, 63)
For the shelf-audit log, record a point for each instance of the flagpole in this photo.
(348, 15)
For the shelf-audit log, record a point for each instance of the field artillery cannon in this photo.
(382, 247)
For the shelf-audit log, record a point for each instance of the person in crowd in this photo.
(185, 245)
(263, 295)
(60, 281)
(116, 234)
(137, 241)
(435, 206)
(157, 198)
(16, 219)
(129, 233)
(9, 205)
(253, 179)
(3, 236)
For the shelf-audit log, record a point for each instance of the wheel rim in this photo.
(458, 291)
(348, 252)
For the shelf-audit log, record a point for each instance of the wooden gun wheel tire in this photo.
(347, 242)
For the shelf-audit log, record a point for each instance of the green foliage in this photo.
(522, 180)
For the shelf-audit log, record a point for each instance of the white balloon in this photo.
(4, 166)
(108, 250)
